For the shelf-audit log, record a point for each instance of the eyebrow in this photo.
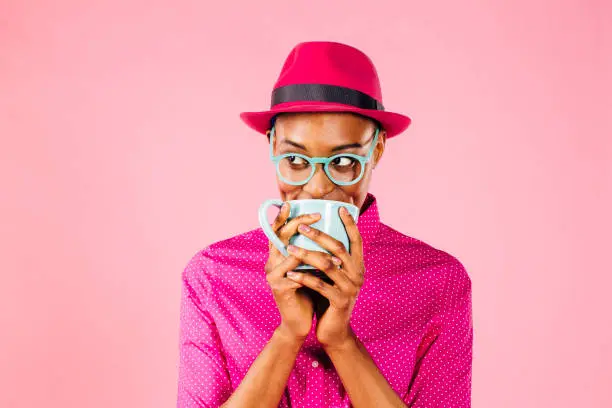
(335, 149)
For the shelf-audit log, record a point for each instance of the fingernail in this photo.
(343, 210)
(284, 207)
(316, 215)
(292, 275)
(304, 228)
(291, 248)
(337, 261)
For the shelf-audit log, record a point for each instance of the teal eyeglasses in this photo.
(343, 169)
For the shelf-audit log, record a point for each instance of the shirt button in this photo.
(315, 364)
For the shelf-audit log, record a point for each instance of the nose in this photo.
(319, 185)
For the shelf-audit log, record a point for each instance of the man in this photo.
(391, 325)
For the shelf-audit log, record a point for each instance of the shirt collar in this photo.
(368, 222)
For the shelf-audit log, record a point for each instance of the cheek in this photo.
(352, 193)
(287, 188)
(360, 188)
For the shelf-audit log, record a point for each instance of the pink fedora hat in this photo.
(326, 76)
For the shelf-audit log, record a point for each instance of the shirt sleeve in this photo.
(443, 370)
(203, 377)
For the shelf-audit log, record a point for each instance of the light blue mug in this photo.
(330, 223)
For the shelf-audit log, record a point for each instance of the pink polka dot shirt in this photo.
(413, 315)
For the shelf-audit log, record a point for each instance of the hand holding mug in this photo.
(332, 241)
(345, 269)
(296, 308)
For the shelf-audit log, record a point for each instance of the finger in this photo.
(338, 251)
(318, 259)
(278, 222)
(281, 217)
(324, 262)
(355, 239)
(290, 229)
(279, 225)
(343, 281)
(330, 292)
(287, 264)
(326, 241)
(284, 284)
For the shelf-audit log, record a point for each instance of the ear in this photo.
(380, 148)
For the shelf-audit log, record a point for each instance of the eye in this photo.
(343, 161)
(296, 160)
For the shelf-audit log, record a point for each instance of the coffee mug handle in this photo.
(267, 228)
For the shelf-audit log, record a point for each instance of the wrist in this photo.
(288, 339)
(346, 345)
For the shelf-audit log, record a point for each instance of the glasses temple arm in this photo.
(373, 143)
(271, 142)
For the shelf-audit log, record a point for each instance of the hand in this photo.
(296, 308)
(333, 328)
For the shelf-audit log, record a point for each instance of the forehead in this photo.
(321, 131)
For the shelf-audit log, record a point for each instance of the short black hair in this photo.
(376, 122)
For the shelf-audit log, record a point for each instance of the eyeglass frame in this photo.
(324, 160)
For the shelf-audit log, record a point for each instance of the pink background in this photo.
(116, 118)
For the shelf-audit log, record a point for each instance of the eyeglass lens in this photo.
(297, 169)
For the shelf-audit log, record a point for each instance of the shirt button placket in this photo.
(316, 385)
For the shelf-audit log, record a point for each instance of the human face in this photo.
(326, 134)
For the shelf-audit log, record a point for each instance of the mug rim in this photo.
(322, 199)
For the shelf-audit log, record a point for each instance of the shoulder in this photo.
(248, 247)
(414, 250)
(408, 253)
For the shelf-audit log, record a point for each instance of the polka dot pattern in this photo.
(413, 315)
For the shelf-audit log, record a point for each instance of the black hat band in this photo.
(324, 93)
